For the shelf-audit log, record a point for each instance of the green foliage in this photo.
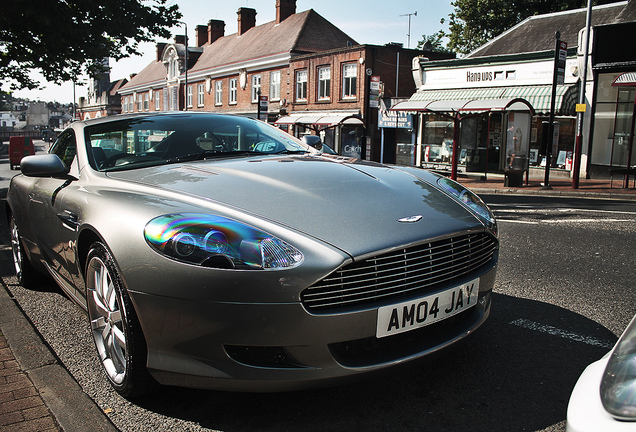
(434, 43)
(64, 39)
(475, 22)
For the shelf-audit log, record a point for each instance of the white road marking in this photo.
(544, 328)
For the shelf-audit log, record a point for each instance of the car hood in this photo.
(356, 207)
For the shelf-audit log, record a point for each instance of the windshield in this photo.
(144, 141)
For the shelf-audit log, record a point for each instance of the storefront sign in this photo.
(562, 57)
(263, 107)
(395, 119)
(374, 92)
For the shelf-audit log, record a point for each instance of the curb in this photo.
(553, 193)
(73, 410)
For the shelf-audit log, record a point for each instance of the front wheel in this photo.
(114, 325)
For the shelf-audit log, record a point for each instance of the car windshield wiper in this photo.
(211, 154)
(300, 151)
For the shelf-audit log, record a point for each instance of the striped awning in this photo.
(464, 107)
(325, 119)
(538, 97)
(625, 79)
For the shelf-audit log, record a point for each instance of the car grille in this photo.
(413, 270)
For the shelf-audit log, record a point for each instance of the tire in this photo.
(116, 331)
(27, 276)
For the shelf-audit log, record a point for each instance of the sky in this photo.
(373, 22)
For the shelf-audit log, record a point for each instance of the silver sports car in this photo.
(219, 252)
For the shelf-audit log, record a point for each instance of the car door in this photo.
(54, 227)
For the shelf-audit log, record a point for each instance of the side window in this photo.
(65, 147)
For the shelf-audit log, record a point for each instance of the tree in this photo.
(433, 43)
(475, 22)
(64, 39)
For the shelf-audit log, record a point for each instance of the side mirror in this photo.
(313, 141)
(48, 165)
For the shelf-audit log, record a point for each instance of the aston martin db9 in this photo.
(219, 252)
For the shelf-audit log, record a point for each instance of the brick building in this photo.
(298, 71)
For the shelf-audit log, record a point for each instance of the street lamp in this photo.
(185, 105)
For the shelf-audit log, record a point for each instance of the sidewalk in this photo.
(560, 187)
(36, 392)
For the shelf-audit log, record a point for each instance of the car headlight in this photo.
(618, 386)
(215, 241)
(468, 198)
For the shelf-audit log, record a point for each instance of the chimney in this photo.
(284, 9)
(160, 48)
(180, 39)
(216, 30)
(246, 19)
(201, 35)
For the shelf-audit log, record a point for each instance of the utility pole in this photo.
(408, 44)
(580, 109)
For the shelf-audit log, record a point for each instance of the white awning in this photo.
(464, 106)
(324, 119)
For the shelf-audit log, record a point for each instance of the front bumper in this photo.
(280, 346)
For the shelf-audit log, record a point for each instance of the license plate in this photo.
(402, 317)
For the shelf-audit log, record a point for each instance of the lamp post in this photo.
(185, 105)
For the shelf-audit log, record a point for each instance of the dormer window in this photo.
(172, 64)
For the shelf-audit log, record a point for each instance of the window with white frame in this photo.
(324, 83)
(146, 101)
(140, 102)
(201, 94)
(173, 65)
(274, 85)
(157, 100)
(349, 80)
(189, 97)
(218, 92)
(233, 89)
(256, 87)
(301, 85)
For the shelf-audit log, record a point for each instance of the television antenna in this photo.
(408, 45)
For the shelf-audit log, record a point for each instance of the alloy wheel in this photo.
(107, 320)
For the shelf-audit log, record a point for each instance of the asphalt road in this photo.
(564, 293)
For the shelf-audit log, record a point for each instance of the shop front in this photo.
(342, 132)
(480, 134)
(614, 113)
(472, 95)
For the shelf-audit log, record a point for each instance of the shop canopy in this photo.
(625, 79)
(496, 99)
(464, 107)
(320, 120)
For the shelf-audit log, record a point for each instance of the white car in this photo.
(604, 398)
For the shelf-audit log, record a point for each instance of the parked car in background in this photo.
(219, 252)
(604, 398)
